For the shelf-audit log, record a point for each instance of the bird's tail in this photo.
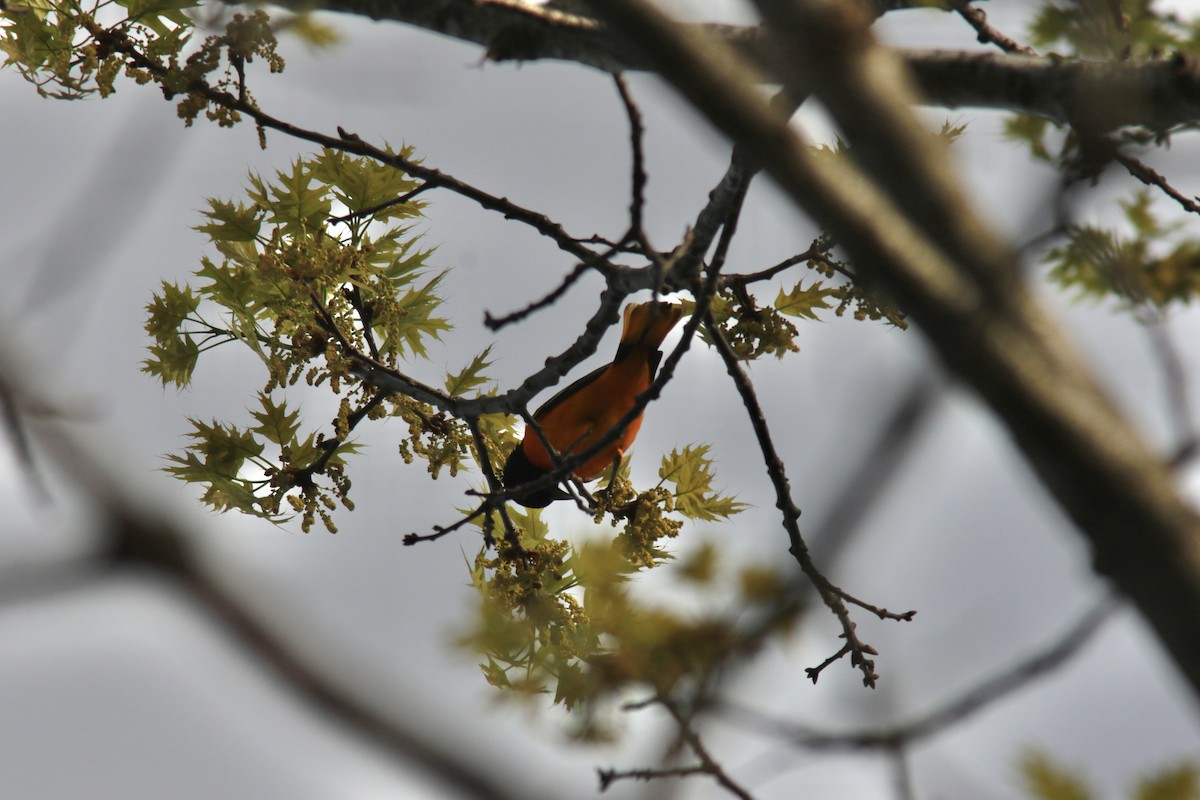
(647, 324)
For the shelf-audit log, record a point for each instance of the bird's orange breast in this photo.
(581, 419)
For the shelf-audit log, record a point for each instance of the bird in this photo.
(578, 416)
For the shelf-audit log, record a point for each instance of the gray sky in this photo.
(117, 688)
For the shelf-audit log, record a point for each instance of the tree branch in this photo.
(1143, 534)
(831, 596)
(1098, 96)
(953, 712)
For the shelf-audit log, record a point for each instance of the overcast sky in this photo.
(118, 688)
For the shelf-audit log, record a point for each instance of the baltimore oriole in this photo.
(575, 418)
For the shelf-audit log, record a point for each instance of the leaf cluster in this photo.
(69, 49)
(753, 330)
(1110, 29)
(66, 53)
(562, 619)
(301, 291)
(1145, 268)
(1046, 780)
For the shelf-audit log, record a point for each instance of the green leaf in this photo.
(228, 285)
(224, 494)
(188, 467)
(364, 183)
(801, 302)
(224, 448)
(1177, 783)
(471, 377)
(275, 424)
(172, 360)
(161, 16)
(231, 222)
(397, 257)
(1138, 212)
(344, 449)
(1046, 780)
(304, 453)
(28, 39)
(950, 132)
(691, 472)
(294, 203)
(409, 328)
(169, 309)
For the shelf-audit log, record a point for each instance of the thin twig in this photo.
(637, 182)
(1147, 175)
(439, 530)
(769, 272)
(815, 672)
(371, 211)
(496, 323)
(882, 613)
(953, 713)
(494, 486)
(610, 776)
(830, 594)
(985, 33)
(710, 765)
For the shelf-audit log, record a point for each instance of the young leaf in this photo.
(313, 32)
(172, 360)
(275, 424)
(224, 447)
(230, 222)
(691, 472)
(801, 302)
(415, 321)
(228, 286)
(471, 376)
(362, 183)
(294, 203)
(1032, 131)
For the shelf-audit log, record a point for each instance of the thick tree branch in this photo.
(1143, 535)
(1097, 96)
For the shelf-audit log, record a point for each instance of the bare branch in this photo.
(985, 33)
(953, 713)
(1098, 96)
(610, 776)
(1149, 176)
(831, 596)
(709, 764)
(572, 277)
(637, 182)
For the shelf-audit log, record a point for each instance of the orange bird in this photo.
(578, 416)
